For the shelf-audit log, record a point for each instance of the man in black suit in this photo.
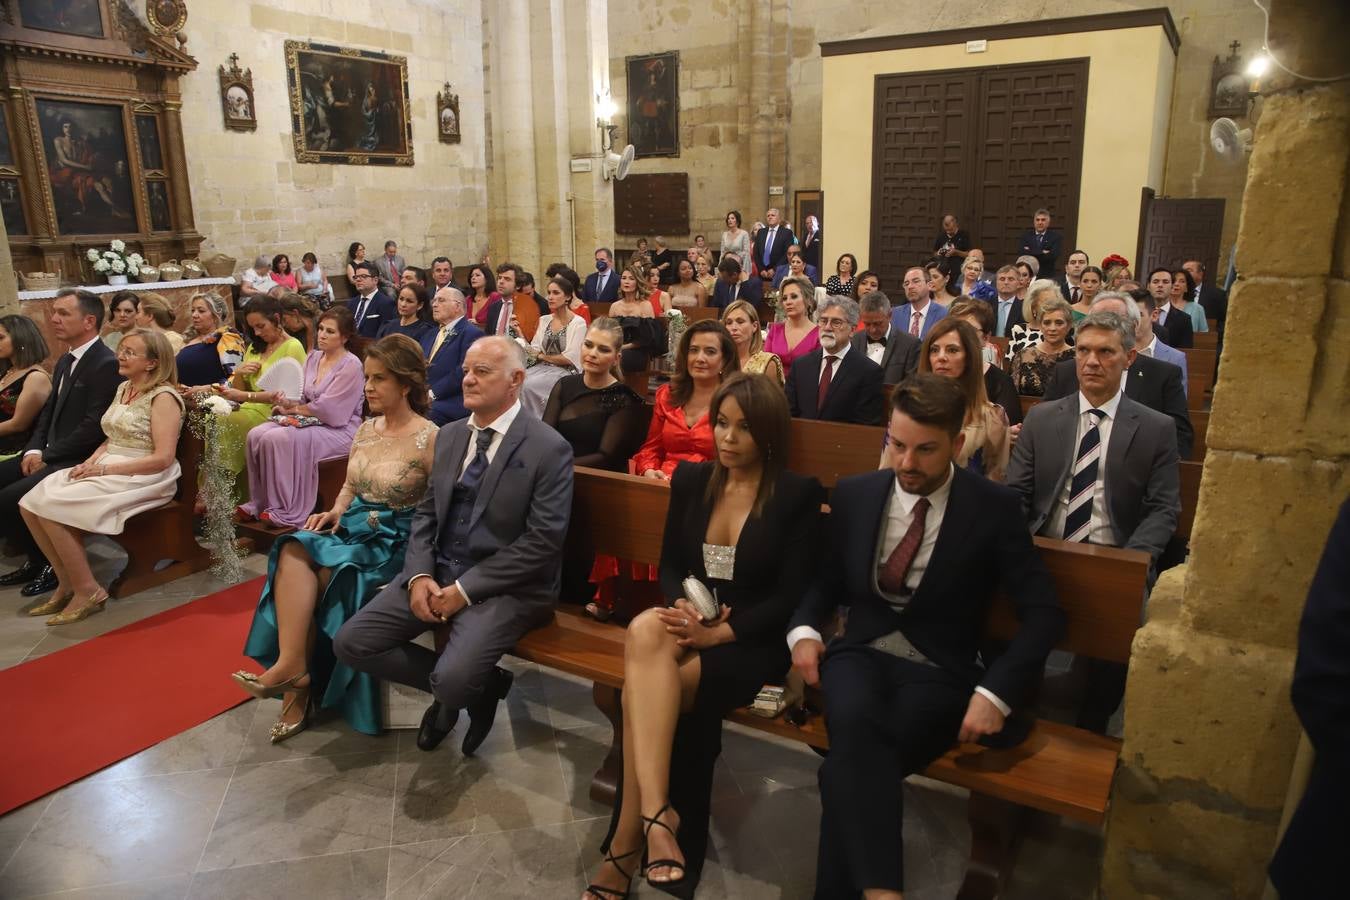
(770, 245)
(896, 351)
(811, 242)
(1310, 856)
(511, 291)
(917, 551)
(1073, 270)
(729, 286)
(1173, 325)
(371, 307)
(1040, 242)
(603, 285)
(1152, 382)
(1213, 299)
(831, 383)
(68, 429)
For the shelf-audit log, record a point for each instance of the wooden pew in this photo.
(1189, 473)
(1207, 340)
(1058, 769)
(1199, 423)
(831, 450)
(165, 533)
(332, 476)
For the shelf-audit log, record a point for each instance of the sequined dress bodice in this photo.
(719, 561)
(389, 470)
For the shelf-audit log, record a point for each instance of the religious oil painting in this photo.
(78, 17)
(85, 145)
(348, 106)
(654, 104)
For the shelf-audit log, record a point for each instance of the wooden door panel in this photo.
(1176, 230)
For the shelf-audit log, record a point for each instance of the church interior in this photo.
(244, 173)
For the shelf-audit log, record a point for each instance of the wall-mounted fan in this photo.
(616, 166)
(1229, 143)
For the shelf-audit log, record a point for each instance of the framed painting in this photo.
(147, 134)
(654, 104)
(807, 203)
(157, 195)
(236, 96)
(85, 147)
(447, 116)
(79, 17)
(348, 106)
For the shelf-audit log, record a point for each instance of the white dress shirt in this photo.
(1099, 522)
(1148, 351)
(1162, 313)
(923, 314)
(363, 306)
(875, 352)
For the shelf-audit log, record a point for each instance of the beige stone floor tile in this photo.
(358, 875)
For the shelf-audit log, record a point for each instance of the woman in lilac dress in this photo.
(284, 453)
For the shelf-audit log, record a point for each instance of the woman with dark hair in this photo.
(1183, 299)
(939, 287)
(24, 384)
(298, 316)
(998, 384)
(312, 282)
(273, 363)
(687, 291)
(867, 282)
(356, 253)
(952, 349)
(680, 429)
(555, 348)
(845, 270)
(122, 309)
(284, 453)
(414, 314)
(213, 348)
(318, 577)
(481, 293)
(746, 529)
(1090, 284)
(736, 242)
(282, 273)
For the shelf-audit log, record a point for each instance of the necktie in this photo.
(1074, 294)
(478, 465)
(914, 323)
(395, 275)
(440, 339)
(68, 360)
(361, 310)
(1147, 351)
(824, 387)
(1004, 309)
(891, 575)
(768, 246)
(881, 341)
(504, 316)
(1078, 523)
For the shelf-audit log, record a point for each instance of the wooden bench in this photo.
(1207, 340)
(1189, 473)
(1058, 769)
(332, 476)
(165, 533)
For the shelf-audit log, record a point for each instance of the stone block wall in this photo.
(250, 196)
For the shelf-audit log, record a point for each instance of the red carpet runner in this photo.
(75, 711)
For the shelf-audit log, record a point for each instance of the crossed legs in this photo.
(660, 681)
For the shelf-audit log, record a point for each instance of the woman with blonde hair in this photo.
(1036, 362)
(600, 416)
(798, 335)
(629, 309)
(703, 273)
(213, 349)
(741, 321)
(156, 313)
(135, 469)
(1024, 335)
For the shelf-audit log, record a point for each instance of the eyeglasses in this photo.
(124, 353)
(833, 324)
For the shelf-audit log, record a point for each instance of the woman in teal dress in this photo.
(317, 578)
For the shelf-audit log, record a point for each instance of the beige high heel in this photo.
(95, 605)
(249, 682)
(280, 730)
(53, 605)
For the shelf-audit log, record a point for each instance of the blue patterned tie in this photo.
(474, 473)
(1078, 523)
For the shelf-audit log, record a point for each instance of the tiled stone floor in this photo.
(218, 812)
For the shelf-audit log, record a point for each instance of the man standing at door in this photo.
(772, 242)
(1042, 243)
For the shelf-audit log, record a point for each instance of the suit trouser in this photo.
(888, 718)
(378, 641)
(13, 485)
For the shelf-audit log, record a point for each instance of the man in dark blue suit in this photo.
(603, 285)
(1040, 242)
(917, 551)
(371, 307)
(445, 349)
(769, 250)
(833, 383)
(730, 288)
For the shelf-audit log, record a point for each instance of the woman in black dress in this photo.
(600, 416)
(747, 530)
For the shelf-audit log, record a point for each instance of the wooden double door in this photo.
(990, 145)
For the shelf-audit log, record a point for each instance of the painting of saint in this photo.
(11, 207)
(147, 132)
(654, 104)
(158, 194)
(236, 101)
(85, 146)
(348, 108)
(81, 17)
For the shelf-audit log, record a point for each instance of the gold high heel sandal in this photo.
(249, 682)
(53, 605)
(280, 730)
(95, 605)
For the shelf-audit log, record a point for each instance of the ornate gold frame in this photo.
(303, 153)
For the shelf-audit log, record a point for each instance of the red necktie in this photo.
(824, 384)
(891, 575)
(914, 323)
(503, 316)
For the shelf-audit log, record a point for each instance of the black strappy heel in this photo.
(601, 893)
(649, 823)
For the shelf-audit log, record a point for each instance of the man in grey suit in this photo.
(484, 554)
(896, 351)
(390, 267)
(1099, 468)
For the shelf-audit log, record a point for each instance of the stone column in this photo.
(9, 286)
(513, 140)
(592, 198)
(178, 178)
(1210, 737)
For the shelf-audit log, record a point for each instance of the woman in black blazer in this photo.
(747, 529)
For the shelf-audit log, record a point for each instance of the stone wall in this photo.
(250, 196)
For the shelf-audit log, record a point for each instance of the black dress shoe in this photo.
(22, 575)
(483, 711)
(44, 583)
(432, 731)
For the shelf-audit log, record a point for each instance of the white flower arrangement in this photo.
(115, 260)
(673, 313)
(216, 404)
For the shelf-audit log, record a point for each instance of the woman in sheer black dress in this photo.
(603, 419)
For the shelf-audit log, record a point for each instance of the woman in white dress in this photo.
(134, 470)
(556, 344)
(736, 243)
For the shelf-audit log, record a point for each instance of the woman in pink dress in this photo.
(799, 335)
(283, 459)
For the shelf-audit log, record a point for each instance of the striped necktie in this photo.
(1078, 524)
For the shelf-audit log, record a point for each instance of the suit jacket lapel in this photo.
(947, 538)
(69, 382)
(1066, 441)
(843, 376)
(510, 441)
(1122, 433)
(876, 498)
(452, 461)
(1134, 381)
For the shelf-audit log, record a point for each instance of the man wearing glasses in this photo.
(834, 383)
(371, 307)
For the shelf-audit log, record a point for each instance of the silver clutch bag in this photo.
(703, 600)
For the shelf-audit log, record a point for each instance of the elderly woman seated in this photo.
(257, 281)
(134, 470)
(1036, 362)
(284, 453)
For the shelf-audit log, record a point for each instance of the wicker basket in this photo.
(148, 275)
(170, 271)
(192, 268)
(41, 281)
(218, 265)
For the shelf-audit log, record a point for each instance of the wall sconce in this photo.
(605, 108)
